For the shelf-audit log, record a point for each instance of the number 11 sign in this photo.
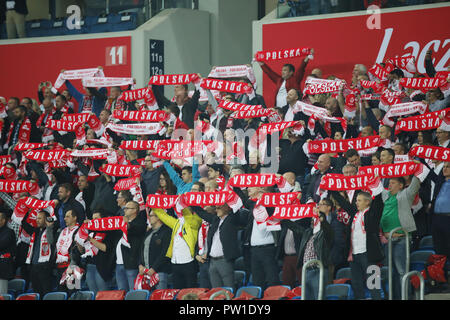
(116, 56)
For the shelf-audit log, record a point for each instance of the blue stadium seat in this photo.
(137, 295)
(253, 290)
(55, 296)
(239, 264)
(239, 278)
(344, 273)
(16, 286)
(426, 243)
(82, 295)
(229, 289)
(419, 258)
(7, 296)
(341, 291)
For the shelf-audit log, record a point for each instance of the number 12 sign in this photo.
(116, 56)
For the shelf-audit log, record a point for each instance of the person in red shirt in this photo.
(290, 78)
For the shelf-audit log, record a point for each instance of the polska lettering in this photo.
(422, 83)
(339, 182)
(430, 152)
(293, 212)
(46, 155)
(144, 116)
(253, 180)
(118, 170)
(173, 79)
(161, 201)
(133, 95)
(427, 121)
(235, 106)
(139, 144)
(63, 125)
(205, 198)
(225, 86)
(332, 146)
(279, 199)
(390, 170)
(281, 54)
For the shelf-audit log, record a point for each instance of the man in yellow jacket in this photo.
(182, 246)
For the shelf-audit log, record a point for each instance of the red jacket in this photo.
(291, 83)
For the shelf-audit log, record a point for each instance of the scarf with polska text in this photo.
(259, 180)
(226, 86)
(89, 118)
(238, 71)
(118, 170)
(375, 86)
(136, 129)
(339, 182)
(96, 82)
(180, 149)
(403, 109)
(276, 199)
(295, 211)
(46, 155)
(407, 63)
(108, 224)
(422, 83)
(94, 153)
(379, 72)
(215, 198)
(139, 144)
(430, 152)
(173, 79)
(142, 116)
(126, 184)
(270, 55)
(339, 146)
(24, 204)
(133, 95)
(427, 121)
(30, 146)
(318, 86)
(400, 169)
(162, 201)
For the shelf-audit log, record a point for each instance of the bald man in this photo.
(317, 72)
(291, 179)
(323, 167)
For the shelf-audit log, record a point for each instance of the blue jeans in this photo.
(125, 277)
(398, 265)
(163, 281)
(94, 280)
(203, 277)
(312, 283)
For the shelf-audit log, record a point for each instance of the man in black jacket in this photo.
(188, 106)
(364, 238)
(7, 251)
(67, 202)
(41, 253)
(324, 167)
(316, 242)
(292, 156)
(153, 251)
(222, 244)
(127, 263)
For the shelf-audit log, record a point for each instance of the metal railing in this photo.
(321, 271)
(405, 285)
(390, 258)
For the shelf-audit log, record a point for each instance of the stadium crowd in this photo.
(83, 184)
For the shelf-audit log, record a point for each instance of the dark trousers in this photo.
(291, 274)
(203, 277)
(358, 268)
(441, 234)
(264, 266)
(41, 278)
(184, 275)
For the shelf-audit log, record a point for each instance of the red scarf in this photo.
(338, 182)
(24, 204)
(257, 113)
(133, 95)
(141, 116)
(404, 63)
(297, 211)
(63, 125)
(427, 121)
(270, 128)
(162, 201)
(136, 129)
(95, 153)
(5, 159)
(422, 83)
(269, 55)
(402, 109)
(42, 116)
(31, 146)
(258, 180)
(24, 131)
(431, 152)
(118, 170)
(180, 149)
(139, 144)
(107, 224)
(380, 72)
(377, 87)
(125, 184)
(64, 242)
(235, 106)
(338, 146)
(393, 170)
(173, 79)
(8, 173)
(278, 199)
(46, 155)
(319, 86)
(226, 86)
(202, 199)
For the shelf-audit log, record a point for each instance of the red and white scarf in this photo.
(259, 180)
(46, 155)
(181, 149)
(118, 170)
(142, 116)
(278, 199)
(89, 118)
(162, 201)
(139, 144)
(8, 173)
(256, 113)
(270, 55)
(91, 82)
(173, 79)
(64, 242)
(422, 83)
(238, 71)
(24, 204)
(338, 146)
(379, 72)
(24, 131)
(431, 152)
(45, 249)
(296, 211)
(407, 63)
(226, 86)
(136, 129)
(145, 281)
(108, 224)
(318, 86)
(30, 146)
(126, 184)
(77, 74)
(402, 109)
(427, 121)
(338, 182)
(375, 86)
(95, 153)
(74, 277)
(19, 186)
(401, 169)
(133, 95)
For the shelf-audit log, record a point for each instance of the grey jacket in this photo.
(405, 200)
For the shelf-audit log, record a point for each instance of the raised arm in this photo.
(173, 175)
(165, 218)
(74, 92)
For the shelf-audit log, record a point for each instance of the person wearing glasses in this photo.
(127, 254)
